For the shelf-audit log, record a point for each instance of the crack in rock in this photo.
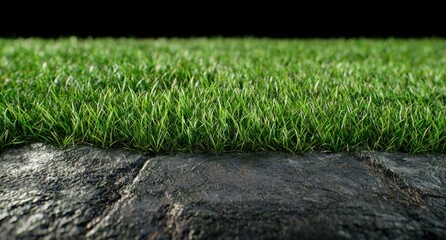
(422, 178)
(379, 169)
(124, 195)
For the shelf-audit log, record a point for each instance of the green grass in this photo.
(225, 94)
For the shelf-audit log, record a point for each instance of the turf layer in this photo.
(225, 94)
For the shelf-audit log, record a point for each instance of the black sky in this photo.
(257, 20)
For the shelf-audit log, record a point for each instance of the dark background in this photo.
(319, 20)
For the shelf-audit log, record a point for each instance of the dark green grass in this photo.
(225, 94)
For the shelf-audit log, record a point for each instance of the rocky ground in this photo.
(89, 193)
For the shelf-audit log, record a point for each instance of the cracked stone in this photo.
(423, 177)
(264, 195)
(87, 193)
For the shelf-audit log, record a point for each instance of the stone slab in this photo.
(88, 193)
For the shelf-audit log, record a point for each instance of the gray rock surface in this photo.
(90, 193)
(54, 194)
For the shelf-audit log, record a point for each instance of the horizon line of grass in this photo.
(225, 94)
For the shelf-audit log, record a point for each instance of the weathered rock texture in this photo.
(105, 194)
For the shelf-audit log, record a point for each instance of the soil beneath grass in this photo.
(91, 193)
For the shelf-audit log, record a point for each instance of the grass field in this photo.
(225, 94)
